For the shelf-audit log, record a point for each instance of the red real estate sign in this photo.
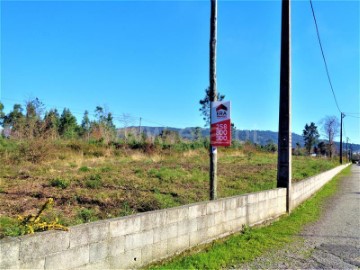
(220, 131)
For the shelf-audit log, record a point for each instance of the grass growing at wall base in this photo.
(253, 242)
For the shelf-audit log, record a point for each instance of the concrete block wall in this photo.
(303, 190)
(137, 240)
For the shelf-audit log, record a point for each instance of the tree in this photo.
(205, 105)
(311, 135)
(14, 121)
(68, 124)
(105, 123)
(51, 124)
(169, 136)
(197, 134)
(33, 121)
(86, 125)
(233, 133)
(322, 148)
(330, 127)
(2, 114)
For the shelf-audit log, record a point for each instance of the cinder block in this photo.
(240, 212)
(79, 235)
(9, 253)
(219, 217)
(183, 227)
(98, 251)
(138, 240)
(125, 225)
(240, 222)
(128, 260)
(116, 246)
(98, 231)
(253, 198)
(153, 220)
(174, 215)
(42, 244)
(178, 244)
(214, 207)
(197, 210)
(198, 237)
(33, 264)
(166, 232)
(242, 201)
(192, 225)
(230, 215)
(216, 231)
(147, 254)
(205, 221)
(71, 258)
(159, 250)
(231, 203)
(230, 226)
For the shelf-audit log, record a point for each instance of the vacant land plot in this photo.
(98, 182)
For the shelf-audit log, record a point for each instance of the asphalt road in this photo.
(331, 243)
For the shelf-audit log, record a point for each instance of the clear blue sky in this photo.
(149, 59)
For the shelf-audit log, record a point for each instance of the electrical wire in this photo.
(323, 56)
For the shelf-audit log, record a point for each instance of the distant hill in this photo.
(261, 137)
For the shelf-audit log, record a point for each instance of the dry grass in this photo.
(94, 182)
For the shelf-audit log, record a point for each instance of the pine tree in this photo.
(311, 135)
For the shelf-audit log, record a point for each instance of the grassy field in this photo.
(253, 242)
(90, 182)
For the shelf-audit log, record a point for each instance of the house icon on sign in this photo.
(221, 111)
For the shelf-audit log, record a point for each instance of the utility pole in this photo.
(140, 127)
(213, 95)
(284, 139)
(347, 149)
(341, 128)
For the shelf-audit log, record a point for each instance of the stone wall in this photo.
(137, 240)
(308, 187)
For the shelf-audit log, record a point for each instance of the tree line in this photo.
(32, 121)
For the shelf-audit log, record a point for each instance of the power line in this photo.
(323, 56)
(353, 116)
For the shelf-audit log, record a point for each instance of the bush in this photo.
(84, 169)
(86, 215)
(94, 181)
(61, 183)
(35, 151)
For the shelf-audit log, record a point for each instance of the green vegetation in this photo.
(253, 242)
(124, 181)
(61, 183)
(92, 173)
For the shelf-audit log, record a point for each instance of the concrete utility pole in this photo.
(213, 95)
(284, 139)
(347, 149)
(341, 144)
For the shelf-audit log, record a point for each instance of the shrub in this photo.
(94, 181)
(84, 169)
(59, 182)
(86, 215)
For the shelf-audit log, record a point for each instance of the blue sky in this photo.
(149, 59)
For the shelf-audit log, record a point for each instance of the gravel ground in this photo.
(331, 243)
